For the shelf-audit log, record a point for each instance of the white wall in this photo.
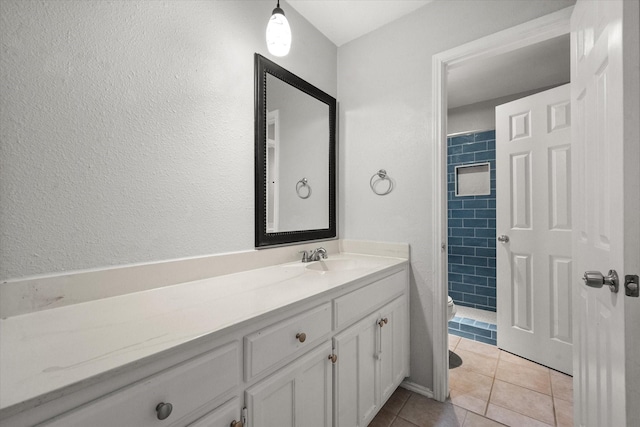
(481, 115)
(384, 90)
(127, 128)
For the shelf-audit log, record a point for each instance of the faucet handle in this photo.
(322, 253)
(305, 256)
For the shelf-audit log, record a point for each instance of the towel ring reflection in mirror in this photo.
(303, 183)
(381, 176)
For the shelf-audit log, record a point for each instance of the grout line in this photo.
(493, 381)
(553, 400)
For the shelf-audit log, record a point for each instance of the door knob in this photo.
(595, 279)
(503, 238)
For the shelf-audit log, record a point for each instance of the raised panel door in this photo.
(298, 395)
(356, 395)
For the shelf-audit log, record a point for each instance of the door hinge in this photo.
(245, 423)
(631, 285)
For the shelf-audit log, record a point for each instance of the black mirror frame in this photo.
(262, 238)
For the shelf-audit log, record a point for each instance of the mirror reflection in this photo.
(295, 158)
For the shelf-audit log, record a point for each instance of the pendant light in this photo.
(278, 33)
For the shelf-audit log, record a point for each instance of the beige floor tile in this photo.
(564, 412)
(506, 356)
(524, 401)
(425, 412)
(475, 420)
(477, 362)
(468, 402)
(510, 418)
(562, 386)
(382, 419)
(478, 347)
(470, 382)
(399, 422)
(534, 379)
(397, 400)
(453, 341)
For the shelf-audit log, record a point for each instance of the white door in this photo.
(273, 171)
(533, 211)
(604, 43)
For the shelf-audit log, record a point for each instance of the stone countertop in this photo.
(46, 351)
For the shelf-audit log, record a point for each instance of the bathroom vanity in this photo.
(295, 344)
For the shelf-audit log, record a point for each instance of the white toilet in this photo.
(451, 308)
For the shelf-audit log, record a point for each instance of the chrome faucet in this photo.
(314, 255)
(317, 254)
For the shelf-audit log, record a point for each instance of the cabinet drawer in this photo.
(359, 303)
(187, 387)
(223, 416)
(269, 346)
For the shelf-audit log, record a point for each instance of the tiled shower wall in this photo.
(472, 225)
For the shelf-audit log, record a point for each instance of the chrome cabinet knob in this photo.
(503, 238)
(595, 279)
(163, 410)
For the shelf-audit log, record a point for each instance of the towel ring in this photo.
(382, 176)
(302, 184)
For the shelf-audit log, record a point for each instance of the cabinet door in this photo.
(393, 358)
(223, 416)
(297, 395)
(356, 395)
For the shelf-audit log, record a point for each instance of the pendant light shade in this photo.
(278, 33)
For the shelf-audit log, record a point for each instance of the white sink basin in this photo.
(335, 265)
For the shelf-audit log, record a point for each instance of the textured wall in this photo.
(472, 225)
(127, 128)
(384, 90)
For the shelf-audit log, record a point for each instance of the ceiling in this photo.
(538, 66)
(534, 67)
(344, 20)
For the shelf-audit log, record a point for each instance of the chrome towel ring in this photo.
(303, 183)
(382, 176)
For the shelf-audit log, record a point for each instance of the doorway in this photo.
(527, 34)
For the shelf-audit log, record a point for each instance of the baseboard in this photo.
(416, 388)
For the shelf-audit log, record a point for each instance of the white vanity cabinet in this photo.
(227, 415)
(373, 361)
(297, 395)
(355, 398)
(168, 398)
(328, 359)
(393, 358)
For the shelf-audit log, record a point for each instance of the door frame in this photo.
(528, 33)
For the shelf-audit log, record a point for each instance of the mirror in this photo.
(295, 158)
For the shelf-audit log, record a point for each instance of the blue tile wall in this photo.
(472, 225)
(474, 330)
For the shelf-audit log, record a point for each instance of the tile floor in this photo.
(490, 388)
